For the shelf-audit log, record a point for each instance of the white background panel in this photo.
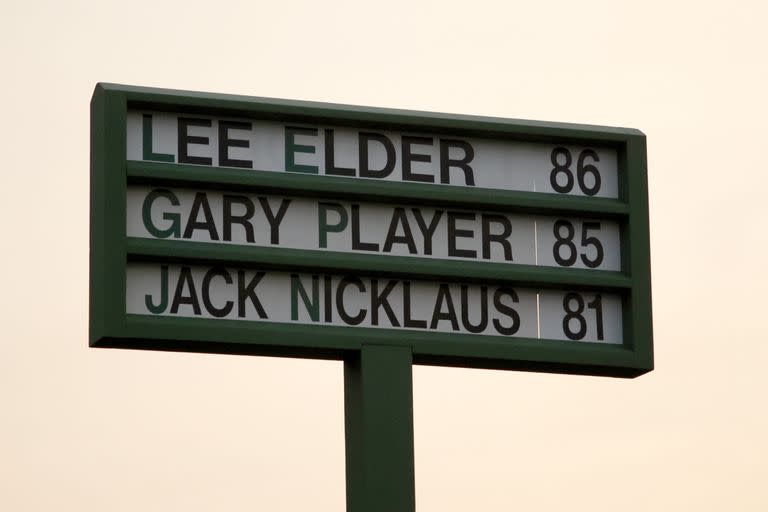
(607, 235)
(274, 293)
(544, 320)
(497, 164)
(299, 227)
(552, 313)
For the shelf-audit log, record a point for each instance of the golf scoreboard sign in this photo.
(245, 225)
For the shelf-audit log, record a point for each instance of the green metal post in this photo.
(378, 410)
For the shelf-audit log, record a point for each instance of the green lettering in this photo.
(291, 147)
(312, 306)
(146, 214)
(163, 293)
(147, 143)
(324, 228)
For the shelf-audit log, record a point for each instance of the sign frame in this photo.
(111, 250)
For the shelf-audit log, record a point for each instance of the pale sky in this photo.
(87, 429)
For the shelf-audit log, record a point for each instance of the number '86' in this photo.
(561, 160)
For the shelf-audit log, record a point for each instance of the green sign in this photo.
(244, 225)
(383, 238)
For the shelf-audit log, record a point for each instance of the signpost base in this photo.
(378, 410)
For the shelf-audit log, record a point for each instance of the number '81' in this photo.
(561, 160)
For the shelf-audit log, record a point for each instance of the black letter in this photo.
(274, 220)
(407, 322)
(427, 231)
(246, 291)
(225, 143)
(230, 219)
(345, 281)
(201, 200)
(446, 162)
(444, 295)
(392, 238)
(378, 300)
(357, 245)
(330, 166)
(408, 157)
(489, 237)
(213, 310)
(483, 309)
(362, 142)
(184, 139)
(454, 233)
(185, 276)
(506, 310)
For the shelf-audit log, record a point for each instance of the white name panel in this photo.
(414, 157)
(580, 316)
(343, 226)
(361, 301)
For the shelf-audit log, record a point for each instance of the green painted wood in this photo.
(378, 413)
(377, 362)
(336, 342)
(274, 258)
(97, 325)
(107, 230)
(353, 115)
(372, 190)
(111, 250)
(639, 307)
